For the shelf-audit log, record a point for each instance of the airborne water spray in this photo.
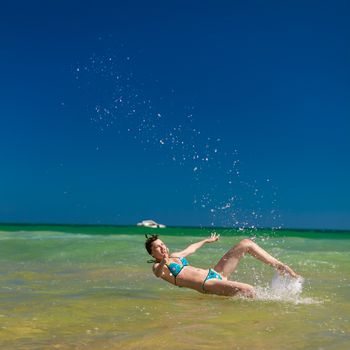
(118, 101)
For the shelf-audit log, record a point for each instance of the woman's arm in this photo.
(195, 246)
(158, 267)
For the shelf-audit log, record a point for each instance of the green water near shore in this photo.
(89, 287)
(174, 231)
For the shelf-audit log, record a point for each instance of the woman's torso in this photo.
(189, 276)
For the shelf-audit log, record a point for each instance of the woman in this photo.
(174, 268)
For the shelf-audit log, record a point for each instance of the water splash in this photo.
(284, 289)
(118, 101)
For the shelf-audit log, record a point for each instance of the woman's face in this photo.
(159, 249)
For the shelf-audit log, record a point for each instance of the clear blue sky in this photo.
(268, 79)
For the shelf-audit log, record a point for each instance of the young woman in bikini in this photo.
(174, 267)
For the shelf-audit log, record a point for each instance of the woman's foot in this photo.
(285, 270)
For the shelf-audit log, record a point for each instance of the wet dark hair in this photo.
(149, 241)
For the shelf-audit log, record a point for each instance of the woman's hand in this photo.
(165, 256)
(213, 238)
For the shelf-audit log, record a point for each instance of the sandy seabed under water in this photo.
(77, 291)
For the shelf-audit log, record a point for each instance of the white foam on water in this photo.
(284, 288)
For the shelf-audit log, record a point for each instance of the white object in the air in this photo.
(150, 223)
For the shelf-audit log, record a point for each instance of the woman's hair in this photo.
(149, 241)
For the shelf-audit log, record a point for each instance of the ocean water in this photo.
(76, 287)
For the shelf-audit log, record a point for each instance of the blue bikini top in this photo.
(176, 268)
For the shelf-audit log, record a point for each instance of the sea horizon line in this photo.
(238, 228)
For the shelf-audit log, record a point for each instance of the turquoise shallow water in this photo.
(75, 287)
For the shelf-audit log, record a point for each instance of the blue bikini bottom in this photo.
(211, 274)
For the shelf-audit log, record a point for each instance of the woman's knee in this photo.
(245, 243)
(247, 291)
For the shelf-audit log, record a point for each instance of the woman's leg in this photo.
(229, 288)
(230, 260)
